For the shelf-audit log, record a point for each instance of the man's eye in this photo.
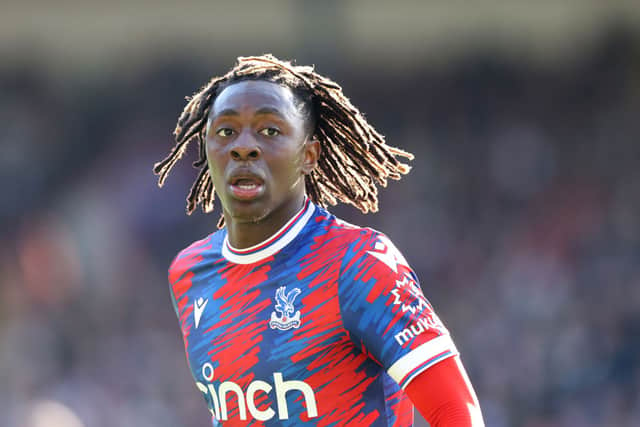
(270, 132)
(224, 132)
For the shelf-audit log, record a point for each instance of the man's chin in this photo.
(245, 212)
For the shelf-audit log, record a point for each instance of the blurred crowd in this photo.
(521, 216)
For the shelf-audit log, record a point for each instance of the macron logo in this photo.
(198, 308)
(384, 250)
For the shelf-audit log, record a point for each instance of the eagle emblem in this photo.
(287, 316)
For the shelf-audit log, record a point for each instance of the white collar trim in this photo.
(274, 243)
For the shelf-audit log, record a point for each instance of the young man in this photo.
(289, 315)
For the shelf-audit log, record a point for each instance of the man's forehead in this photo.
(254, 95)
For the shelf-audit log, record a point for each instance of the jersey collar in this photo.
(273, 244)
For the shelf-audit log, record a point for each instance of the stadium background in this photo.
(521, 215)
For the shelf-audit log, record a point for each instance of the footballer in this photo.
(289, 315)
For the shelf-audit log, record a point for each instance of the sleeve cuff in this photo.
(421, 358)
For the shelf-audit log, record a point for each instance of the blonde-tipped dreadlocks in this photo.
(354, 156)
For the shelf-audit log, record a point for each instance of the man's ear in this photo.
(311, 155)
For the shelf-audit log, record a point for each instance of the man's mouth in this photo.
(246, 188)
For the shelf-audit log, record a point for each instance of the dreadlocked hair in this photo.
(354, 157)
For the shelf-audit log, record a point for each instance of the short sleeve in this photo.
(385, 311)
(176, 274)
(173, 298)
(180, 279)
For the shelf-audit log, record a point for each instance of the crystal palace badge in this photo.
(285, 318)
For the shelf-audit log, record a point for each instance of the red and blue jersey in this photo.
(324, 324)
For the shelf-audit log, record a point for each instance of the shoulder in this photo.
(194, 253)
(334, 234)
(363, 244)
(338, 228)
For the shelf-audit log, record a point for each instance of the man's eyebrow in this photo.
(228, 112)
(269, 110)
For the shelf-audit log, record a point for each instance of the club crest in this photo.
(285, 318)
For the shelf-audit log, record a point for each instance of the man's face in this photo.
(258, 150)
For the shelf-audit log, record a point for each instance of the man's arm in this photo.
(444, 396)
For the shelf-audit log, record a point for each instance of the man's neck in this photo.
(244, 234)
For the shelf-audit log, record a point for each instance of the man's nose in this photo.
(245, 147)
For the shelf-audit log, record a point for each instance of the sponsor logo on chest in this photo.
(250, 401)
